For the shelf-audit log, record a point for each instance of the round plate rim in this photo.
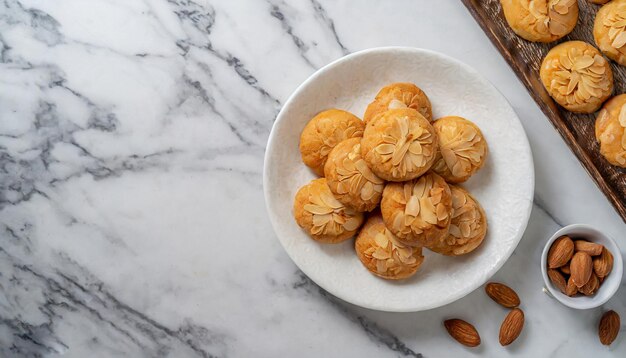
(414, 51)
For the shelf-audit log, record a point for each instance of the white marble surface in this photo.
(133, 223)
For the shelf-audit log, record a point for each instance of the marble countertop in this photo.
(133, 223)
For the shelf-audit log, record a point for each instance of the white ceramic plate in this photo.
(504, 186)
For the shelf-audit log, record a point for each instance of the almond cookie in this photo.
(418, 211)
(383, 254)
(324, 132)
(608, 30)
(468, 226)
(577, 76)
(322, 216)
(541, 20)
(350, 179)
(399, 145)
(399, 95)
(610, 130)
(462, 149)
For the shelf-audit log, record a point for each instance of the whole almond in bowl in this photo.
(570, 288)
(581, 268)
(558, 280)
(590, 248)
(560, 252)
(603, 264)
(591, 286)
(590, 276)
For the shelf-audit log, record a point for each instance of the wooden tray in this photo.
(577, 130)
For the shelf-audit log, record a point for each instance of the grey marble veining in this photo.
(133, 223)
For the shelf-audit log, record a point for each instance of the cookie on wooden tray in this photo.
(418, 211)
(462, 149)
(468, 226)
(324, 132)
(399, 145)
(383, 254)
(577, 76)
(608, 30)
(541, 20)
(610, 130)
(322, 216)
(399, 95)
(350, 179)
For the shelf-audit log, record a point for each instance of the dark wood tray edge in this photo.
(545, 103)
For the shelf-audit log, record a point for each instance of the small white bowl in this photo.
(611, 282)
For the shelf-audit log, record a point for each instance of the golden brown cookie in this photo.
(608, 30)
(399, 95)
(468, 226)
(541, 20)
(577, 76)
(322, 216)
(350, 179)
(382, 254)
(418, 211)
(610, 127)
(399, 145)
(462, 149)
(324, 132)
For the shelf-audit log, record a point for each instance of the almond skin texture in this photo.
(581, 267)
(591, 248)
(502, 294)
(609, 327)
(571, 288)
(560, 252)
(463, 332)
(565, 269)
(511, 326)
(603, 264)
(557, 279)
(591, 286)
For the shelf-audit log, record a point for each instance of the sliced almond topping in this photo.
(395, 104)
(381, 254)
(442, 212)
(381, 240)
(316, 209)
(351, 224)
(413, 206)
(428, 211)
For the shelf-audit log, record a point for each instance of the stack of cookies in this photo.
(390, 180)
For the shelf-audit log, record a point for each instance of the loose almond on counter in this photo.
(511, 326)
(581, 267)
(557, 279)
(591, 248)
(560, 252)
(603, 264)
(463, 332)
(502, 294)
(609, 327)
